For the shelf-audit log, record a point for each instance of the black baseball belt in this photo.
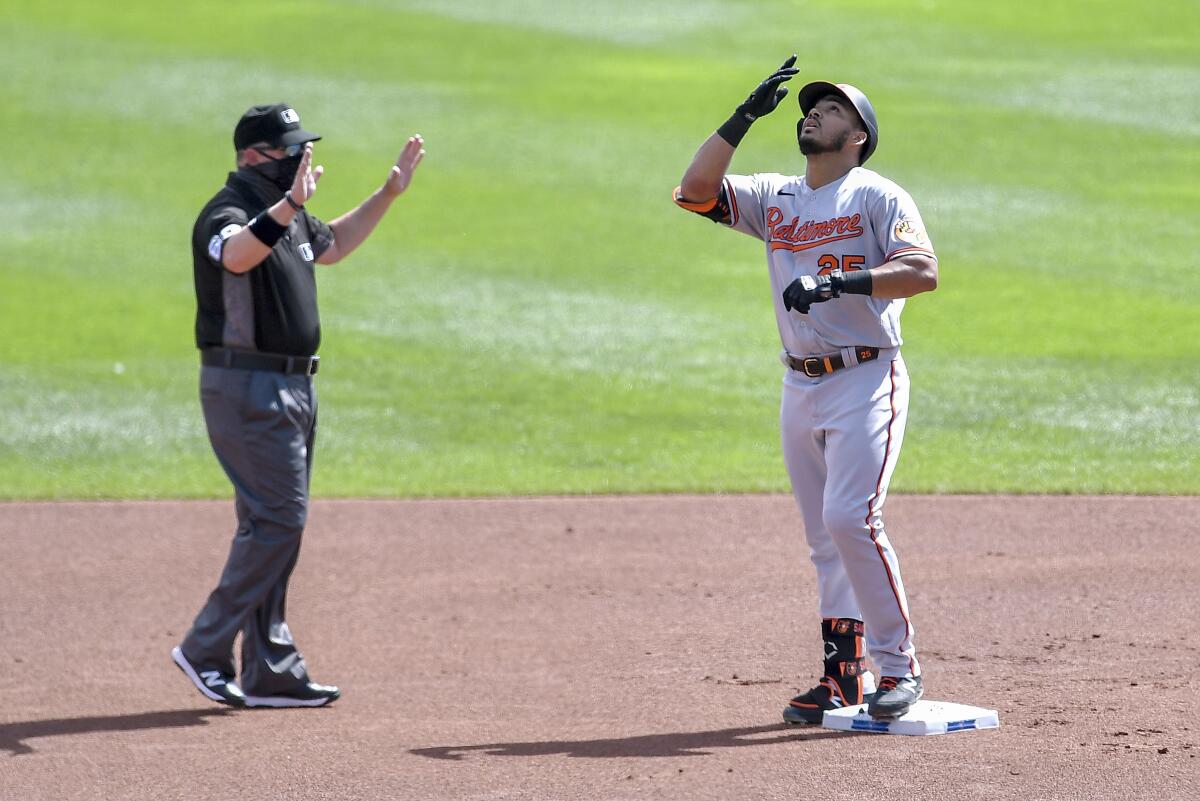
(257, 360)
(817, 366)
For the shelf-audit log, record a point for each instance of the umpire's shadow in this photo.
(14, 735)
(698, 743)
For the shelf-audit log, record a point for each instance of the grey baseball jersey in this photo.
(857, 222)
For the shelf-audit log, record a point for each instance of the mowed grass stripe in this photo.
(536, 316)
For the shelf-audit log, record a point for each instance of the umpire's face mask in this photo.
(281, 172)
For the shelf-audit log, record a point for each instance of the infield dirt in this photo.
(602, 648)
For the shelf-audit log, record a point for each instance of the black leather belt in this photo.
(817, 366)
(256, 360)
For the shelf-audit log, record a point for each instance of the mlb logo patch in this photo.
(216, 245)
(289, 115)
(306, 251)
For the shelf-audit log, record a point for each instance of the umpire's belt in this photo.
(817, 366)
(257, 360)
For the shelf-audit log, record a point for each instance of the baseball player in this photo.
(844, 246)
(254, 251)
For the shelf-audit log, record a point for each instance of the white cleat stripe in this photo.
(283, 702)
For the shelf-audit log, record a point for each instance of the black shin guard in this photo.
(844, 657)
(842, 684)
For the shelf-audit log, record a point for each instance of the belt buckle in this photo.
(312, 365)
(811, 366)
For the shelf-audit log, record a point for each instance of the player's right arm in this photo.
(705, 187)
(702, 181)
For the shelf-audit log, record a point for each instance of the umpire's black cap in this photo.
(277, 125)
(814, 91)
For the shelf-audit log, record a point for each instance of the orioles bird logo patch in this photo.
(911, 232)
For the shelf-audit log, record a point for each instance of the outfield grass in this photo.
(535, 316)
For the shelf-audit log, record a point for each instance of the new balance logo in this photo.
(212, 678)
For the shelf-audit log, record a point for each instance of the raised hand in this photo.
(401, 175)
(304, 186)
(765, 98)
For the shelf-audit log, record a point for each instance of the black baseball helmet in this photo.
(814, 91)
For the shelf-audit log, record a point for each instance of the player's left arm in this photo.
(353, 227)
(901, 277)
(909, 264)
(904, 276)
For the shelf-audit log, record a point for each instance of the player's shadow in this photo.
(14, 735)
(697, 743)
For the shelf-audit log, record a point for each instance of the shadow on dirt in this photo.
(14, 735)
(697, 743)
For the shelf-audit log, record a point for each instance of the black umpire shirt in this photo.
(273, 307)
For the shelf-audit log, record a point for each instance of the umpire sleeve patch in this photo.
(216, 245)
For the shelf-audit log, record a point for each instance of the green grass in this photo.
(535, 316)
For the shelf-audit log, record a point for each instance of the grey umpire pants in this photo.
(261, 425)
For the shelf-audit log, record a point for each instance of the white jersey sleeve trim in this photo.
(904, 251)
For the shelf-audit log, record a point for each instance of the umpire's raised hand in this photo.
(406, 164)
(761, 102)
(305, 184)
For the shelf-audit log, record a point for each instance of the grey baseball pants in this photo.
(262, 426)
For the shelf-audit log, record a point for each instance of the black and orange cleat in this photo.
(846, 682)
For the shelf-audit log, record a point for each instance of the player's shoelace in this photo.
(888, 683)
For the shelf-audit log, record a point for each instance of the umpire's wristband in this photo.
(266, 229)
(858, 282)
(736, 127)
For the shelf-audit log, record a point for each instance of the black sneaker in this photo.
(895, 697)
(211, 682)
(829, 694)
(307, 694)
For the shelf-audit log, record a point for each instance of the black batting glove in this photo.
(761, 102)
(807, 290)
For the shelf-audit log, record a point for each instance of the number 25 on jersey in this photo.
(848, 263)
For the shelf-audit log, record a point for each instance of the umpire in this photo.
(254, 249)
